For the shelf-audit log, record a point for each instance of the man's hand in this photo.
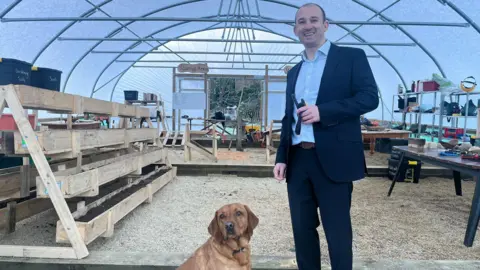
(309, 114)
(279, 171)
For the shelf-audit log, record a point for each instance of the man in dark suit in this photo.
(321, 162)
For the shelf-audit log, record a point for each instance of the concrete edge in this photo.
(107, 260)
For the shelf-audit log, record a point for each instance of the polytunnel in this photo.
(105, 47)
(80, 153)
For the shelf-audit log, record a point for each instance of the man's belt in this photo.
(305, 145)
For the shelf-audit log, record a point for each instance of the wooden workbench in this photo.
(387, 133)
(457, 165)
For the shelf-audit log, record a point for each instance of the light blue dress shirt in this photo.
(307, 87)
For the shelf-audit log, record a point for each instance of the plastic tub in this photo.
(13, 71)
(46, 78)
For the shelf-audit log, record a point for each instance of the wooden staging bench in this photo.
(458, 166)
(388, 133)
(117, 159)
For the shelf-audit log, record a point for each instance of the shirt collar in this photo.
(323, 49)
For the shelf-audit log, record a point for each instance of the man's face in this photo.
(309, 26)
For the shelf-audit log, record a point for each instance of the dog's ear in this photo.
(214, 230)
(252, 222)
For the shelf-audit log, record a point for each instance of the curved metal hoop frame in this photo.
(187, 2)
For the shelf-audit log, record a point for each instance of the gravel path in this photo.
(420, 222)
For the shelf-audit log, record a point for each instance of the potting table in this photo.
(388, 133)
(457, 165)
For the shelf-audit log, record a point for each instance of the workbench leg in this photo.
(397, 174)
(474, 216)
(364, 163)
(372, 145)
(458, 183)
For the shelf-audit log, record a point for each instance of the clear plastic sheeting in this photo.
(410, 40)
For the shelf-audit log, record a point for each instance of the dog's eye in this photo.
(222, 216)
(239, 213)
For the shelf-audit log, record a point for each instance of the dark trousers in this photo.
(309, 189)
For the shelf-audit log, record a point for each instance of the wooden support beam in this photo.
(59, 102)
(55, 141)
(38, 252)
(86, 183)
(10, 179)
(11, 217)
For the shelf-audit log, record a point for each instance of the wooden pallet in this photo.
(172, 139)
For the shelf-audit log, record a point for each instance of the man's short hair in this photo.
(311, 4)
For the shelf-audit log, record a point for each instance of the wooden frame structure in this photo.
(11, 98)
(78, 180)
(190, 145)
(268, 134)
(264, 101)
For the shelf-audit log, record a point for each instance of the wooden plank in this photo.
(43, 99)
(27, 209)
(36, 98)
(11, 217)
(100, 225)
(61, 207)
(62, 141)
(37, 252)
(10, 178)
(75, 184)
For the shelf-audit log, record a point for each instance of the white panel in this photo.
(195, 101)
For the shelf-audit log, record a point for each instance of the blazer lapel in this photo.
(296, 71)
(332, 62)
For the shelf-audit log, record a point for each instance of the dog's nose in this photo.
(229, 226)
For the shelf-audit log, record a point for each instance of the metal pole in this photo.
(232, 40)
(461, 13)
(213, 53)
(201, 61)
(408, 35)
(10, 7)
(229, 68)
(214, 20)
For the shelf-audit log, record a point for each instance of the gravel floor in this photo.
(420, 222)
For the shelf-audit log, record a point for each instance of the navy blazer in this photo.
(347, 91)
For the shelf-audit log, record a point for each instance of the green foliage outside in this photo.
(227, 92)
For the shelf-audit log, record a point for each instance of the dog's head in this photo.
(233, 221)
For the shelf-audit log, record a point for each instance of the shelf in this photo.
(43, 99)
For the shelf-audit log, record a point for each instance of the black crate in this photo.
(394, 164)
(130, 95)
(46, 78)
(385, 145)
(13, 71)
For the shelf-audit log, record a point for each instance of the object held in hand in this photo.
(298, 126)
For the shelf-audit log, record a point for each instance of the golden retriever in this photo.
(228, 247)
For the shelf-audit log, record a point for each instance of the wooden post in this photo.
(187, 151)
(174, 77)
(11, 217)
(207, 100)
(266, 97)
(239, 133)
